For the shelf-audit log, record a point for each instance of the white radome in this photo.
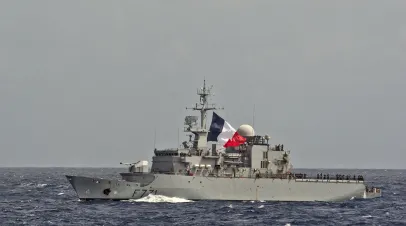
(246, 130)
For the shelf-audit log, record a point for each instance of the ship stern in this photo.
(373, 192)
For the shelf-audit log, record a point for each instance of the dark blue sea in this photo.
(43, 196)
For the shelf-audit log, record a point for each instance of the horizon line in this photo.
(118, 167)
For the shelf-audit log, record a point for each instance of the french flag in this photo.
(222, 132)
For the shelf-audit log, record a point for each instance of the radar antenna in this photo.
(190, 121)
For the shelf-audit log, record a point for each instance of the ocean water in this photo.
(43, 196)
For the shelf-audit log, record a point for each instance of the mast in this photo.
(204, 105)
(200, 131)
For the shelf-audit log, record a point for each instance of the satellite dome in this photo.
(246, 130)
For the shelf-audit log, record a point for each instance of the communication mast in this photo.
(204, 93)
(191, 121)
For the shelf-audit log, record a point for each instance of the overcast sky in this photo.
(84, 83)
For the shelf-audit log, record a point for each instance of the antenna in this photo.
(204, 93)
(154, 137)
(253, 117)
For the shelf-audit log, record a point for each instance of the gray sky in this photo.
(84, 83)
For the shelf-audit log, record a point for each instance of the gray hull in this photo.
(212, 188)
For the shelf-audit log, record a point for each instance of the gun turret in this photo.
(140, 166)
(129, 164)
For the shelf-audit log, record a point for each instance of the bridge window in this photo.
(264, 164)
(265, 155)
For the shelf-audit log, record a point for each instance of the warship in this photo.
(221, 163)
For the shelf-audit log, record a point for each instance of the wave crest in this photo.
(159, 198)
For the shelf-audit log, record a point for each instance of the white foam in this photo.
(159, 198)
(261, 206)
(41, 185)
(25, 184)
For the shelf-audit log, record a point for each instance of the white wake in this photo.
(159, 198)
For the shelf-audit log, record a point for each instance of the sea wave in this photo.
(45, 197)
(158, 198)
